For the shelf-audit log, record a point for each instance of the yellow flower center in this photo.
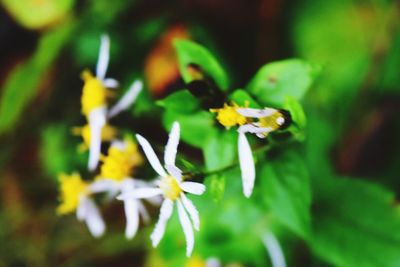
(71, 188)
(273, 121)
(170, 187)
(195, 262)
(119, 163)
(94, 94)
(228, 116)
(108, 133)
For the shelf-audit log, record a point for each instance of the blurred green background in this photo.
(350, 160)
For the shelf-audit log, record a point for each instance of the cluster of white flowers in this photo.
(115, 179)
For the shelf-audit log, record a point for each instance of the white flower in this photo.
(268, 120)
(75, 196)
(173, 188)
(134, 208)
(94, 100)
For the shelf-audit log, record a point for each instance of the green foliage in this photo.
(182, 101)
(196, 128)
(286, 189)
(190, 52)
(278, 80)
(38, 14)
(241, 97)
(24, 82)
(355, 224)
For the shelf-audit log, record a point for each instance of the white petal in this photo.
(165, 214)
(256, 113)
(187, 228)
(104, 56)
(246, 165)
(97, 119)
(93, 219)
(174, 172)
(274, 250)
(143, 212)
(213, 262)
(103, 185)
(193, 188)
(172, 145)
(81, 210)
(191, 209)
(151, 156)
(140, 193)
(110, 83)
(254, 129)
(127, 99)
(132, 217)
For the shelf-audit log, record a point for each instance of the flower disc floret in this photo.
(228, 116)
(72, 187)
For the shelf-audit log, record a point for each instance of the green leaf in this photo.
(277, 80)
(38, 14)
(241, 97)
(58, 154)
(190, 52)
(196, 128)
(182, 101)
(296, 111)
(221, 150)
(216, 186)
(285, 184)
(356, 224)
(23, 83)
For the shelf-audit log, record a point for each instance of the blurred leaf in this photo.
(23, 83)
(190, 52)
(241, 97)
(182, 101)
(390, 78)
(221, 150)
(275, 81)
(296, 111)
(355, 224)
(36, 14)
(58, 154)
(285, 185)
(196, 128)
(216, 186)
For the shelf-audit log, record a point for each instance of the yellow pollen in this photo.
(71, 188)
(195, 262)
(94, 94)
(228, 116)
(170, 187)
(272, 121)
(119, 164)
(108, 133)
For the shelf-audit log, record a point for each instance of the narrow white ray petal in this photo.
(140, 193)
(94, 220)
(213, 262)
(143, 212)
(191, 209)
(127, 99)
(274, 250)
(151, 156)
(256, 113)
(187, 228)
(104, 56)
(103, 185)
(132, 217)
(172, 145)
(254, 129)
(165, 214)
(97, 119)
(81, 210)
(110, 83)
(193, 188)
(247, 167)
(174, 172)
